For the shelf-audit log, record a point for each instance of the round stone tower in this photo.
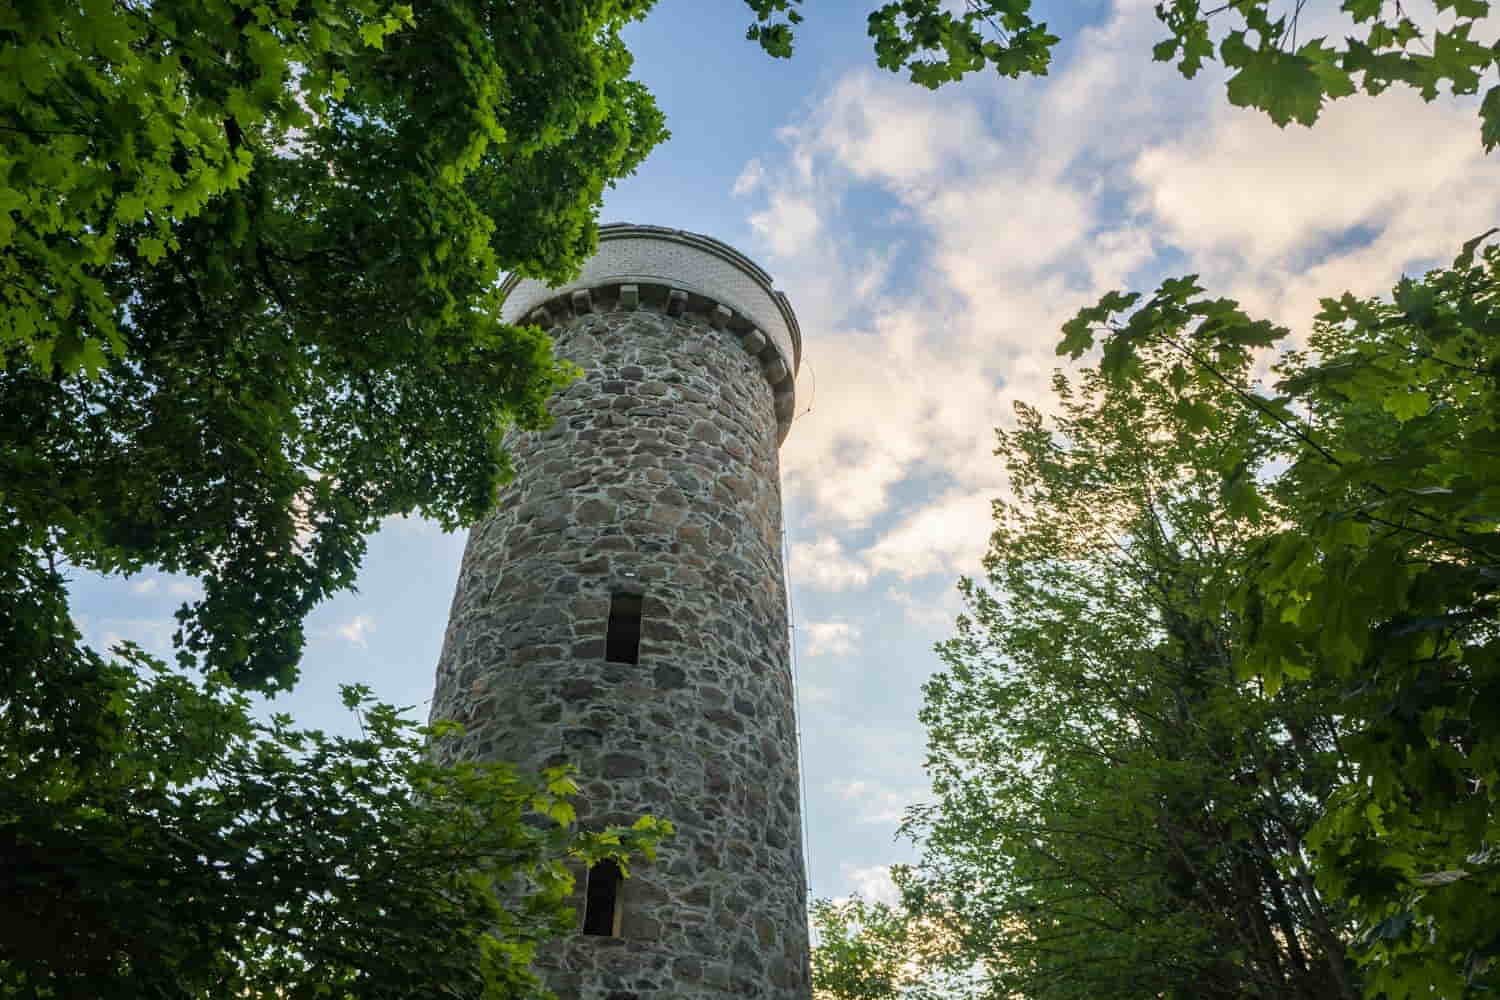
(624, 609)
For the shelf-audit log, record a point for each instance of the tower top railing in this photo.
(701, 267)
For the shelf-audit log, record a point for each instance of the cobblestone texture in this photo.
(660, 477)
(688, 262)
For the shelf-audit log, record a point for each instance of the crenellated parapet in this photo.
(680, 274)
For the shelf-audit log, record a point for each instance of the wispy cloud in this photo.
(824, 564)
(940, 536)
(749, 179)
(830, 638)
(938, 612)
(934, 243)
(873, 802)
(355, 630)
(175, 587)
(873, 882)
(154, 635)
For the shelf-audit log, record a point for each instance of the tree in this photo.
(1271, 67)
(192, 852)
(248, 308)
(1116, 811)
(869, 950)
(1378, 579)
(250, 259)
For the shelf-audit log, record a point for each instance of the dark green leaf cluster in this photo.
(180, 849)
(1291, 81)
(1376, 576)
(284, 327)
(249, 307)
(937, 46)
(1117, 812)
(868, 950)
(1272, 68)
(773, 34)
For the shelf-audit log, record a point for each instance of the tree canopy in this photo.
(1221, 719)
(250, 258)
(1377, 577)
(181, 849)
(869, 950)
(249, 255)
(1116, 811)
(1271, 62)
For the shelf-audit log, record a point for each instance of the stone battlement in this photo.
(680, 274)
(567, 306)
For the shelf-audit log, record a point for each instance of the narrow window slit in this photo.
(601, 906)
(622, 642)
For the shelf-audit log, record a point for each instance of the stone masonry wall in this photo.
(659, 477)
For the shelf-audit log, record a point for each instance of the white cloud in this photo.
(892, 402)
(1268, 213)
(749, 179)
(927, 614)
(1263, 193)
(873, 882)
(829, 638)
(874, 130)
(824, 564)
(182, 589)
(154, 635)
(354, 631)
(185, 589)
(873, 803)
(947, 534)
(790, 223)
(1003, 207)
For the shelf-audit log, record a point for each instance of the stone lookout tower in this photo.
(625, 610)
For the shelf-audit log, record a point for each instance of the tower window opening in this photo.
(622, 641)
(601, 906)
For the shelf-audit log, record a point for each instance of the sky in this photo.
(932, 244)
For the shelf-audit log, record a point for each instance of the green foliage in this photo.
(867, 950)
(773, 34)
(1272, 70)
(249, 253)
(249, 265)
(122, 121)
(937, 46)
(861, 948)
(180, 849)
(1117, 813)
(1378, 576)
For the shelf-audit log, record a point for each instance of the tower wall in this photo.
(659, 477)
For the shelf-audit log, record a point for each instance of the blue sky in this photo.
(932, 244)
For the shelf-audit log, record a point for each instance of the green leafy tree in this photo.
(868, 950)
(249, 255)
(1272, 65)
(1116, 812)
(191, 852)
(1379, 579)
(249, 279)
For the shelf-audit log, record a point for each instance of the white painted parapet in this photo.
(678, 273)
